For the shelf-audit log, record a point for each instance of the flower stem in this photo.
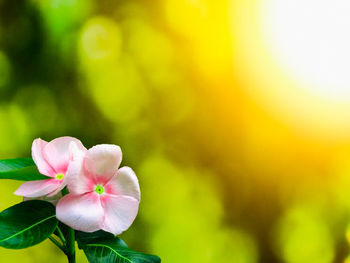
(61, 235)
(70, 245)
(57, 244)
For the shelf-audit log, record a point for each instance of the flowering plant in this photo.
(73, 194)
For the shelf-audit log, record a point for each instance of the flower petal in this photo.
(120, 212)
(81, 212)
(78, 182)
(39, 159)
(59, 188)
(52, 199)
(102, 161)
(38, 188)
(78, 153)
(77, 150)
(58, 152)
(124, 183)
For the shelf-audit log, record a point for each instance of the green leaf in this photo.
(84, 238)
(27, 224)
(22, 169)
(103, 247)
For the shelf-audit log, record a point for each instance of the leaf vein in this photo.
(105, 246)
(31, 226)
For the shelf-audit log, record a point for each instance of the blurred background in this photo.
(235, 115)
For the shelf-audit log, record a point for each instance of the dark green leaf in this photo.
(22, 169)
(107, 248)
(84, 238)
(27, 224)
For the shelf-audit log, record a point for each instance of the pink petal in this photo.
(102, 162)
(81, 212)
(38, 188)
(120, 212)
(53, 199)
(59, 189)
(38, 157)
(77, 154)
(124, 183)
(78, 182)
(58, 152)
(77, 150)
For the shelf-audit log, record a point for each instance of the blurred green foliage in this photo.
(150, 77)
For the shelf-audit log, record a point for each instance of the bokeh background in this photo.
(235, 115)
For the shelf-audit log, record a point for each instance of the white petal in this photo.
(39, 159)
(102, 161)
(79, 182)
(52, 199)
(124, 183)
(38, 188)
(120, 212)
(81, 212)
(58, 152)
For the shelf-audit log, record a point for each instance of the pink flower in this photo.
(101, 195)
(52, 199)
(52, 159)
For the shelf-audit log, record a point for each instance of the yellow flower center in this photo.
(59, 176)
(99, 189)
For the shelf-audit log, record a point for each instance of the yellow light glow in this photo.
(311, 40)
(292, 58)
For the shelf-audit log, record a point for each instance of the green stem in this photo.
(70, 245)
(61, 236)
(57, 244)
